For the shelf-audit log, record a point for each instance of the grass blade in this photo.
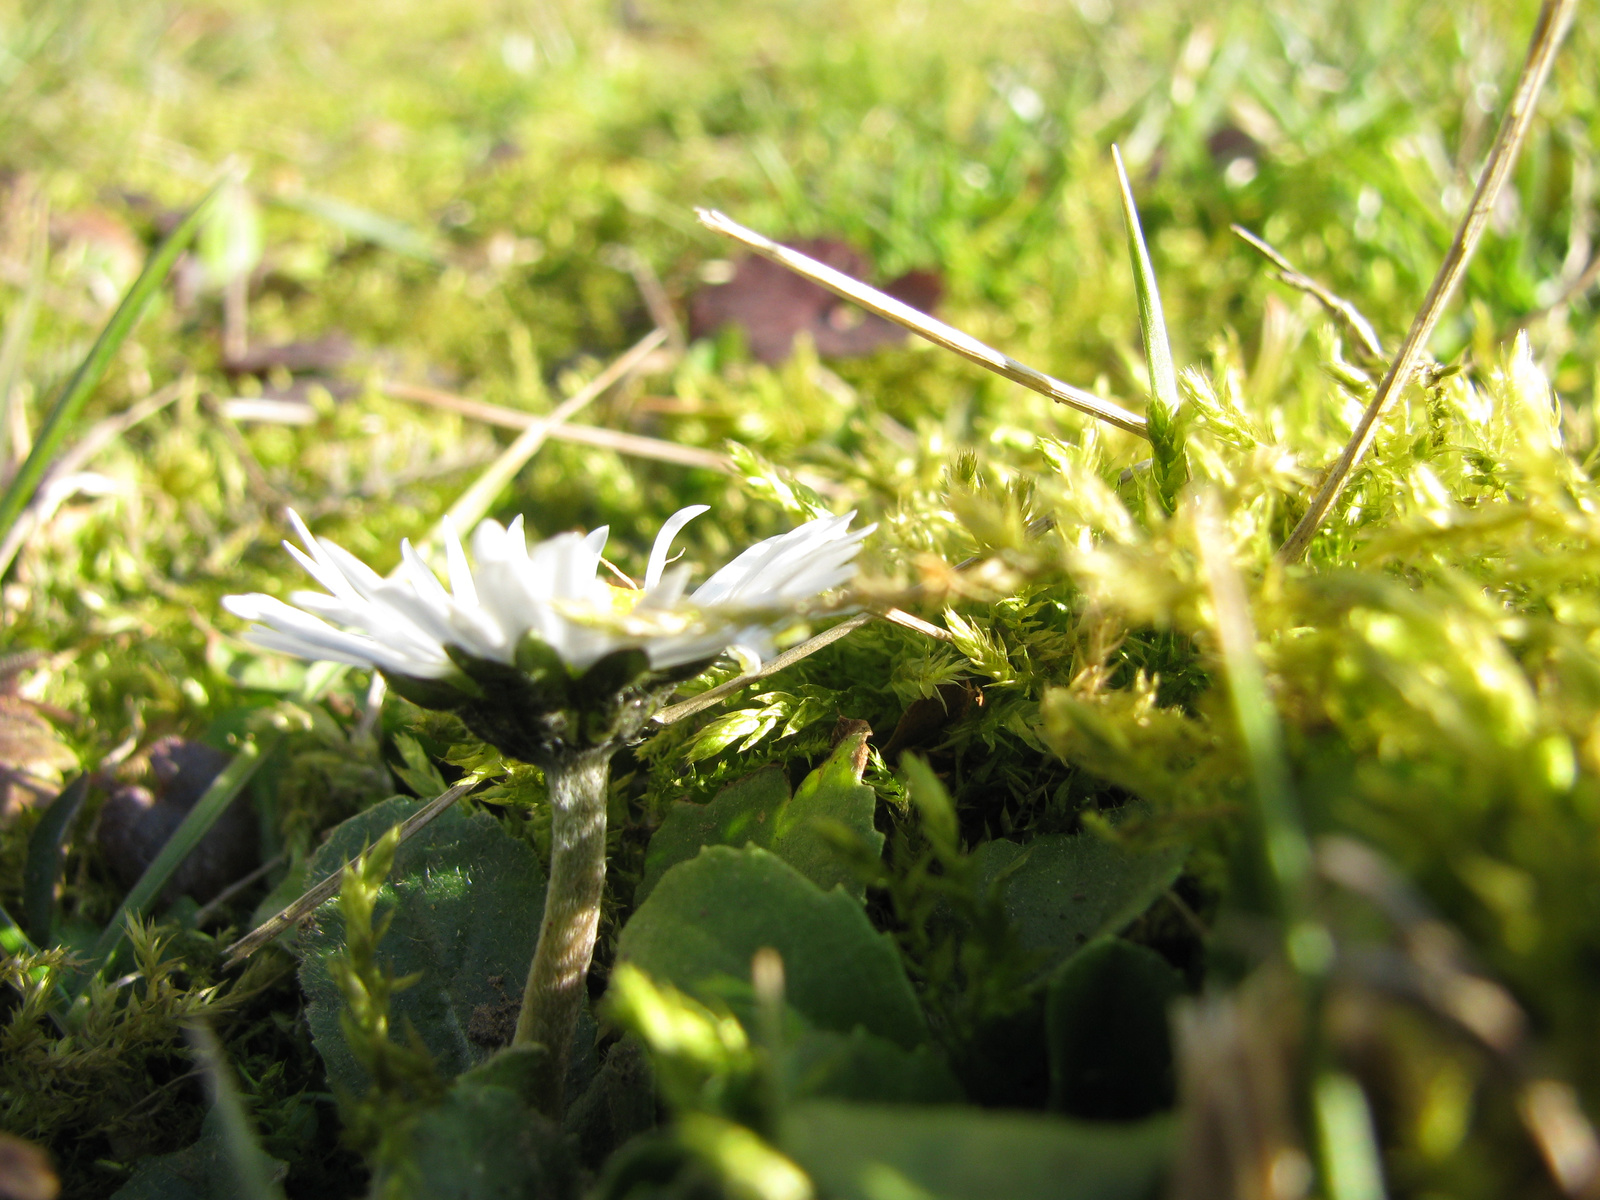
(1288, 850)
(1157, 349)
(364, 225)
(44, 860)
(1170, 467)
(13, 940)
(68, 405)
(184, 839)
(250, 1166)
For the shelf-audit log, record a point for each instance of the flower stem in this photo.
(555, 991)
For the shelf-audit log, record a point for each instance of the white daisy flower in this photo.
(553, 591)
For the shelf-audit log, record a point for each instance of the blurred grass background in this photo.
(447, 186)
(469, 194)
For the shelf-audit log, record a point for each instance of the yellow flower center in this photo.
(625, 599)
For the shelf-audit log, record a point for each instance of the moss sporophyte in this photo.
(551, 664)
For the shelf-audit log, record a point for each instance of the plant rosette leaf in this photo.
(1062, 891)
(707, 917)
(860, 1066)
(759, 811)
(870, 1151)
(464, 899)
(203, 1171)
(483, 1142)
(704, 1059)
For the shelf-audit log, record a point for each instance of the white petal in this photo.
(668, 590)
(456, 559)
(362, 577)
(663, 543)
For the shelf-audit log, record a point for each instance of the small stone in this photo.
(136, 822)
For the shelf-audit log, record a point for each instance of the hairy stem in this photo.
(554, 995)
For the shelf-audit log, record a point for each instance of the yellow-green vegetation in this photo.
(1076, 803)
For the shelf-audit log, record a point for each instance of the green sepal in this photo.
(614, 673)
(604, 693)
(544, 669)
(447, 694)
(490, 676)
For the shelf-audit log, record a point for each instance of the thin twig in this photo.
(937, 332)
(214, 905)
(1554, 18)
(898, 616)
(687, 708)
(475, 501)
(1347, 314)
(314, 898)
(895, 616)
(636, 445)
(656, 302)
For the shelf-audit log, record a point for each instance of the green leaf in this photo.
(1061, 892)
(749, 724)
(255, 1173)
(464, 899)
(68, 405)
(1106, 1024)
(820, 1063)
(230, 242)
(702, 1058)
(619, 1104)
(484, 1143)
(203, 1171)
(708, 916)
(771, 482)
(758, 810)
(871, 1152)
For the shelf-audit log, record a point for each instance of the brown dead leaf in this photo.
(32, 756)
(773, 305)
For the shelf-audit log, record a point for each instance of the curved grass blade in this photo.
(184, 839)
(44, 860)
(1171, 469)
(1152, 324)
(247, 1161)
(365, 225)
(68, 405)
